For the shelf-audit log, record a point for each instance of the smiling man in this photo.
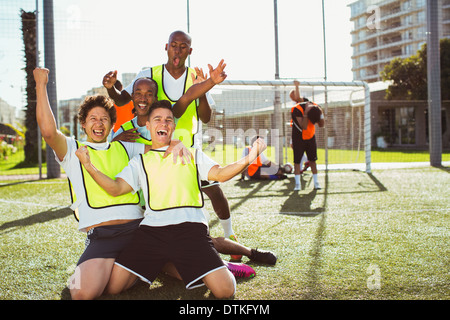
(174, 78)
(144, 95)
(108, 221)
(174, 228)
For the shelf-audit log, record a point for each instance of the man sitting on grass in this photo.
(174, 228)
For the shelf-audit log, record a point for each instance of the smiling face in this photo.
(161, 125)
(97, 125)
(144, 95)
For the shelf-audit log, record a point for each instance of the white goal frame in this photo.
(325, 84)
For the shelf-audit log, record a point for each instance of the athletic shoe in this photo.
(240, 270)
(263, 256)
(235, 257)
(297, 187)
(305, 167)
(317, 186)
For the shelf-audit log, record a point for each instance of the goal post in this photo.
(245, 108)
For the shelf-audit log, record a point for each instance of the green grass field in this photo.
(231, 153)
(379, 236)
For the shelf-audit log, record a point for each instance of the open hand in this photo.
(130, 135)
(200, 76)
(110, 79)
(178, 149)
(217, 75)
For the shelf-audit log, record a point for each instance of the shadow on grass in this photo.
(40, 217)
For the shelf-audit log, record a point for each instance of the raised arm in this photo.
(217, 75)
(120, 98)
(113, 187)
(44, 115)
(227, 172)
(321, 122)
(204, 108)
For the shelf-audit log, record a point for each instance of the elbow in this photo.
(48, 135)
(119, 102)
(114, 192)
(205, 118)
(222, 178)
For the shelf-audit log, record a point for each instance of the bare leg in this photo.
(218, 201)
(296, 168)
(90, 279)
(221, 283)
(313, 166)
(170, 269)
(121, 280)
(227, 246)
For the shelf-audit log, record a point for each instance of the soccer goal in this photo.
(244, 109)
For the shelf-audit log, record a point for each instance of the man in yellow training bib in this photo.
(174, 228)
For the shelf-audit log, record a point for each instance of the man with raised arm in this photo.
(174, 228)
(108, 221)
(173, 79)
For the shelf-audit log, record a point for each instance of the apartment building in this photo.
(385, 29)
(382, 31)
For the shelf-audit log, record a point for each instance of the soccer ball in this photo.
(288, 168)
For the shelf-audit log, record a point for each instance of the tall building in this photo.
(386, 29)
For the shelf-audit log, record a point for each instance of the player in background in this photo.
(305, 115)
(173, 79)
(295, 96)
(262, 168)
(124, 113)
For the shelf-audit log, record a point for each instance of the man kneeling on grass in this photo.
(174, 228)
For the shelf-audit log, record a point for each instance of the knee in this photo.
(226, 290)
(79, 294)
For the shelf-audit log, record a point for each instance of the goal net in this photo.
(244, 109)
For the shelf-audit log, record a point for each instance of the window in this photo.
(398, 125)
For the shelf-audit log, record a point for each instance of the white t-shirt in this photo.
(174, 89)
(142, 130)
(135, 176)
(87, 215)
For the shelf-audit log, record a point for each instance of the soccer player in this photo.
(143, 96)
(305, 115)
(108, 221)
(262, 168)
(173, 79)
(174, 228)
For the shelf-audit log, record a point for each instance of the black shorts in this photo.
(187, 245)
(206, 183)
(108, 241)
(301, 146)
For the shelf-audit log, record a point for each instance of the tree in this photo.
(29, 40)
(409, 75)
(409, 80)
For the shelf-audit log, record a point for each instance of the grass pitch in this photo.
(379, 236)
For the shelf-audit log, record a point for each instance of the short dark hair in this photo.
(314, 114)
(160, 104)
(91, 102)
(146, 78)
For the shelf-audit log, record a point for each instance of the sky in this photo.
(94, 37)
